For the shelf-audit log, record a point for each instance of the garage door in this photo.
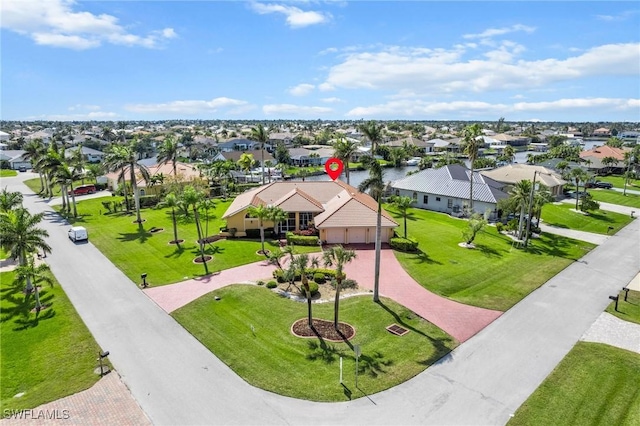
(357, 235)
(335, 236)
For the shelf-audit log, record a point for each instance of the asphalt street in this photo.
(178, 381)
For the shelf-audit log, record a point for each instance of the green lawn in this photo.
(614, 197)
(8, 173)
(135, 250)
(629, 310)
(618, 182)
(597, 221)
(495, 275)
(272, 358)
(47, 357)
(595, 384)
(34, 185)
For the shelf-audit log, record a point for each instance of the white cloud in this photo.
(81, 107)
(301, 89)
(492, 32)
(94, 115)
(620, 17)
(333, 100)
(190, 106)
(58, 23)
(483, 110)
(296, 18)
(446, 71)
(297, 110)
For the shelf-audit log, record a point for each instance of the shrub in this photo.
(346, 283)
(301, 240)
(512, 225)
(278, 275)
(272, 284)
(148, 201)
(499, 227)
(319, 278)
(328, 273)
(260, 282)
(313, 288)
(255, 233)
(403, 244)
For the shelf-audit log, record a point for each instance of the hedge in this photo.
(403, 244)
(313, 287)
(301, 240)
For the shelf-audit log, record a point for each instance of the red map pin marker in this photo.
(333, 167)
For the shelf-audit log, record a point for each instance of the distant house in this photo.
(341, 213)
(284, 138)
(15, 158)
(447, 190)
(310, 157)
(511, 174)
(602, 132)
(424, 146)
(240, 144)
(185, 173)
(4, 136)
(593, 158)
(504, 139)
(90, 154)
(235, 156)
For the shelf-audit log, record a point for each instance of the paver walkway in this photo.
(108, 403)
(613, 331)
(459, 320)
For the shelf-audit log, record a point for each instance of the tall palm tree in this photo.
(402, 204)
(472, 141)
(192, 198)
(375, 185)
(520, 195)
(121, 157)
(301, 263)
(610, 161)
(260, 134)
(29, 273)
(262, 213)
(95, 170)
(21, 237)
(76, 160)
(65, 175)
(34, 152)
(246, 161)
(344, 149)
(108, 134)
(277, 215)
(172, 202)
(578, 175)
(509, 153)
(10, 200)
(168, 152)
(373, 132)
(339, 257)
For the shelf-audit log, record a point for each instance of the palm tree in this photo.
(373, 132)
(339, 257)
(262, 213)
(65, 176)
(509, 153)
(246, 161)
(207, 204)
(375, 185)
(610, 161)
(76, 160)
(29, 273)
(541, 197)
(192, 197)
(397, 156)
(472, 141)
(520, 195)
(168, 152)
(21, 237)
(171, 201)
(121, 157)
(34, 152)
(95, 170)
(344, 149)
(260, 134)
(402, 204)
(108, 134)
(277, 215)
(301, 263)
(10, 200)
(578, 175)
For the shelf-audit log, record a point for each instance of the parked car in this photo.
(83, 190)
(572, 194)
(22, 169)
(604, 185)
(78, 233)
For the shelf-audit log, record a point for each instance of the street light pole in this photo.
(528, 229)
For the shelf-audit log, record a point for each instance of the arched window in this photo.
(415, 195)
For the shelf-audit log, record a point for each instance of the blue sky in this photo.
(414, 60)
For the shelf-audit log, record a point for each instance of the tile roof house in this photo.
(341, 213)
(511, 174)
(447, 190)
(593, 158)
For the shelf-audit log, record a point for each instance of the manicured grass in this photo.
(34, 185)
(494, 275)
(595, 384)
(46, 357)
(135, 250)
(597, 221)
(272, 358)
(615, 197)
(629, 310)
(8, 173)
(618, 182)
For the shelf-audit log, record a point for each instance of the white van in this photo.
(78, 233)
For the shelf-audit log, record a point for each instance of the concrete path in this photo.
(178, 381)
(610, 207)
(589, 237)
(459, 320)
(615, 332)
(635, 283)
(629, 190)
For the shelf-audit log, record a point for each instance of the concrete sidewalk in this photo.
(589, 237)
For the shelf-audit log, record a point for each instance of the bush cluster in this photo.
(272, 284)
(313, 288)
(255, 233)
(346, 283)
(499, 227)
(403, 244)
(319, 278)
(301, 240)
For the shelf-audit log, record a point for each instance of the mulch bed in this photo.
(323, 329)
(200, 260)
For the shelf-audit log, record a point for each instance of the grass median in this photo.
(615, 197)
(249, 330)
(43, 358)
(494, 275)
(563, 215)
(628, 310)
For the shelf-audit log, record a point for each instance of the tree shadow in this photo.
(320, 351)
(141, 235)
(558, 225)
(20, 306)
(422, 257)
(373, 365)
(488, 251)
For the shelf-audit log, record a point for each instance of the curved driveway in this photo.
(178, 381)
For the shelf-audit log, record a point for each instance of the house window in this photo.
(437, 198)
(397, 192)
(305, 218)
(449, 203)
(415, 195)
(425, 199)
(289, 224)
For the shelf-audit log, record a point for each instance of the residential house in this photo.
(303, 157)
(593, 158)
(4, 136)
(447, 190)
(241, 144)
(235, 156)
(340, 213)
(15, 158)
(284, 138)
(602, 132)
(163, 173)
(511, 174)
(90, 154)
(504, 139)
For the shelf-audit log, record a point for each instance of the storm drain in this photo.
(397, 330)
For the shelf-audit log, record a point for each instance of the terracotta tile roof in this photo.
(604, 151)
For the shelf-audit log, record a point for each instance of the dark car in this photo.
(581, 194)
(604, 185)
(22, 169)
